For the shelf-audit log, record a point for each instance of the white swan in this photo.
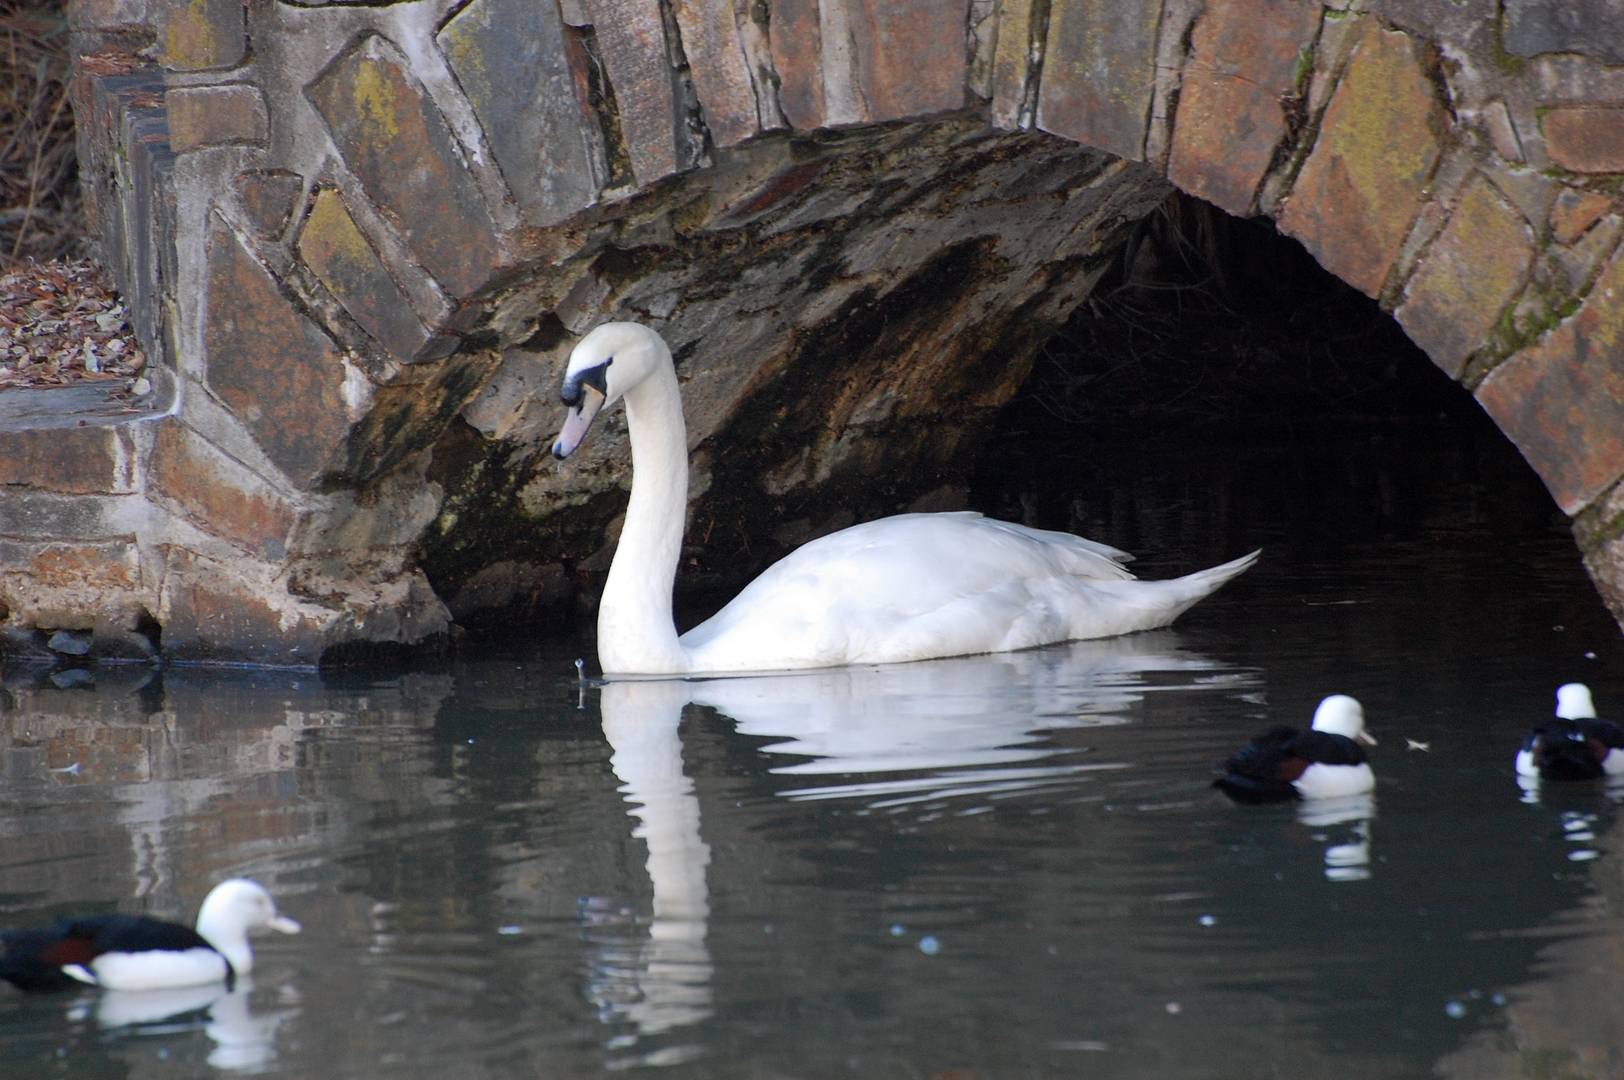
(909, 587)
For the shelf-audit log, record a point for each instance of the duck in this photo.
(1325, 762)
(1573, 744)
(133, 952)
(910, 587)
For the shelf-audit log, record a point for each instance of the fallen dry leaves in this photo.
(61, 322)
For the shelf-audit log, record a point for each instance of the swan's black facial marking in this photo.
(584, 394)
(597, 377)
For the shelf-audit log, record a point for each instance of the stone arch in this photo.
(357, 233)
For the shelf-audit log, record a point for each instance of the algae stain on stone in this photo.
(1366, 139)
(331, 237)
(377, 100)
(189, 39)
(460, 41)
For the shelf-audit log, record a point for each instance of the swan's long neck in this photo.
(636, 632)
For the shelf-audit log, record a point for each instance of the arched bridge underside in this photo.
(359, 237)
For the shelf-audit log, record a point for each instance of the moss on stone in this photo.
(189, 39)
(376, 100)
(1303, 72)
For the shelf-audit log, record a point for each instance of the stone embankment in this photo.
(356, 239)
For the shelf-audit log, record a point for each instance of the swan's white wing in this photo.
(907, 587)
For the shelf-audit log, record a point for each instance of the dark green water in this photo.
(993, 867)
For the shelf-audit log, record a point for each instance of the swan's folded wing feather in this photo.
(914, 585)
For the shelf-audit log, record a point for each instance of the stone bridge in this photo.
(359, 236)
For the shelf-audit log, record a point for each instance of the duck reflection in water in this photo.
(1343, 826)
(244, 1037)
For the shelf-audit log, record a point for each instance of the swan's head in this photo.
(603, 366)
(1573, 702)
(1340, 714)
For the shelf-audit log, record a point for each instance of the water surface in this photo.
(999, 866)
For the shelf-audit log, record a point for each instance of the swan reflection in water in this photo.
(664, 981)
(974, 728)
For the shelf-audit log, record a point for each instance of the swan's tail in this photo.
(1191, 588)
(1147, 605)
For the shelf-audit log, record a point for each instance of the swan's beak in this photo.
(578, 422)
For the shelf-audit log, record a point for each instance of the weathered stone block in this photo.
(272, 366)
(69, 461)
(515, 65)
(1502, 131)
(1562, 400)
(1359, 190)
(1574, 211)
(333, 246)
(396, 143)
(82, 568)
(202, 116)
(910, 56)
(1245, 60)
(1588, 27)
(1099, 74)
(1605, 562)
(1586, 139)
(32, 514)
(218, 494)
(201, 35)
(106, 14)
(267, 198)
(797, 52)
(209, 613)
(128, 180)
(786, 184)
(1474, 268)
(1012, 64)
(717, 63)
(631, 38)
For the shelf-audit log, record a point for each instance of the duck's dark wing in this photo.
(1263, 769)
(134, 933)
(1603, 735)
(1266, 769)
(1326, 748)
(1571, 749)
(33, 960)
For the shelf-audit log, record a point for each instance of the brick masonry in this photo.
(204, 116)
(357, 235)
